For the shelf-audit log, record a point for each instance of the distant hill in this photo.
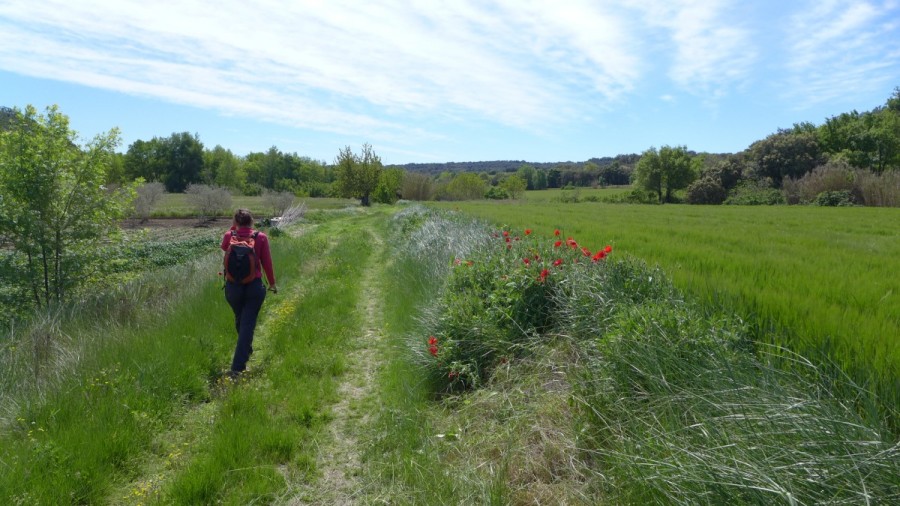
(496, 166)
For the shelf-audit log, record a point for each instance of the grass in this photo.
(819, 280)
(109, 399)
(577, 194)
(177, 205)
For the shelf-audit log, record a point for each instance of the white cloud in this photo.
(341, 66)
(841, 47)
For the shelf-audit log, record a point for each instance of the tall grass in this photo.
(819, 281)
(675, 406)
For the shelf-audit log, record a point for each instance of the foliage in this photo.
(148, 196)
(209, 201)
(497, 301)
(706, 190)
(463, 186)
(833, 176)
(754, 193)
(784, 154)
(417, 186)
(389, 186)
(358, 175)
(881, 190)
(836, 198)
(496, 193)
(176, 161)
(515, 186)
(53, 203)
(668, 169)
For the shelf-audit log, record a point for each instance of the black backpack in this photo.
(241, 262)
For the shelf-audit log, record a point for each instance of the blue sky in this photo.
(439, 81)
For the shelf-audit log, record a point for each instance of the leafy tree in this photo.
(222, 168)
(668, 169)
(785, 154)
(529, 174)
(515, 186)
(357, 176)
(53, 202)
(176, 161)
(465, 186)
(389, 185)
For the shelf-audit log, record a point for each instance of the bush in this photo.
(831, 177)
(209, 201)
(841, 198)
(496, 193)
(148, 195)
(279, 201)
(706, 191)
(754, 193)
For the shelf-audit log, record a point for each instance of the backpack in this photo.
(241, 262)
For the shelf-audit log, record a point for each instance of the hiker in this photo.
(246, 251)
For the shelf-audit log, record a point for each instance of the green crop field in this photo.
(824, 277)
(581, 194)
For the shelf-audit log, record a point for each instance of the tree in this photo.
(785, 154)
(465, 186)
(529, 174)
(389, 184)
(148, 195)
(209, 201)
(357, 176)
(176, 161)
(514, 185)
(54, 207)
(668, 169)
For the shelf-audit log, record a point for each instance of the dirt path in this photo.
(340, 454)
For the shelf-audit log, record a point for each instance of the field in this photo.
(178, 205)
(824, 277)
(579, 194)
(413, 356)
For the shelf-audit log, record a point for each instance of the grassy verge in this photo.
(177, 205)
(672, 405)
(818, 280)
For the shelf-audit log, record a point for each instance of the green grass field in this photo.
(827, 277)
(582, 194)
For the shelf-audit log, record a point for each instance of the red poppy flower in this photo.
(527, 231)
(508, 239)
(543, 275)
(505, 233)
(598, 256)
(537, 257)
(556, 232)
(586, 252)
(557, 244)
(608, 248)
(527, 261)
(433, 350)
(571, 242)
(557, 262)
(432, 341)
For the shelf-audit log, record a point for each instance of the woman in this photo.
(246, 296)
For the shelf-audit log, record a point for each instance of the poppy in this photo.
(505, 233)
(527, 261)
(527, 231)
(557, 244)
(557, 262)
(608, 248)
(556, 232)
(543, 275)
(586, 252)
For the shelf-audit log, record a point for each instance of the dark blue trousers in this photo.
(245, 301)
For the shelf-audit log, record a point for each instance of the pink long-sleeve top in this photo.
(261, 246)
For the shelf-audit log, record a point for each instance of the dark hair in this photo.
(243, 217)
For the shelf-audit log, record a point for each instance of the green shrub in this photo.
(839, 198)
(752, 193)
(706, 191)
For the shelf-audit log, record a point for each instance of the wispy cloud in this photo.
(339, 66)
(840, 47)
(709, 52)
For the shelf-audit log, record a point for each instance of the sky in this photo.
(450, 81)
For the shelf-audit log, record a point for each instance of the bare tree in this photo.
(279, 201)
(209, 201)
(148, 195)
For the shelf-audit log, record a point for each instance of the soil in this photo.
(218, 223)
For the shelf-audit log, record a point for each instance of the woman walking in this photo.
(246, 251)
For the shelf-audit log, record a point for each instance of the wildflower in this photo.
(557, 262)
(571, 243)
(608, 249)
(586, 252)
(432, 341)
(537, 257)
(456, 261)
(452, 374)
(508, 239)
(505, 233)
(598, 256)
(527, 231)
(543, 275)
(527, 261)
(556, 232)
(557, 244)
(432, 345)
